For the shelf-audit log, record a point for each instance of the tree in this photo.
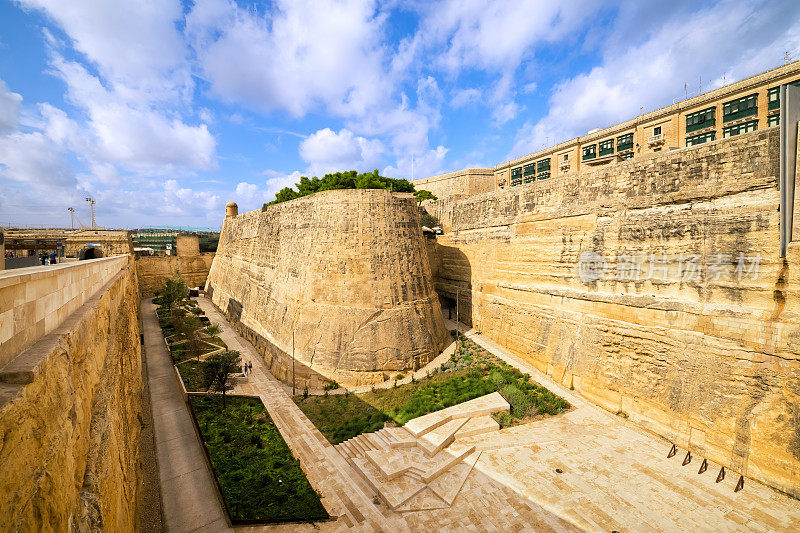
(213, 329)
(342, 180)
(422, 195)
(174, 291)
(190, 326)
(218, 369)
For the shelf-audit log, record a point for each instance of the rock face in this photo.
(702, 347)
(70, 419)
(346, 271)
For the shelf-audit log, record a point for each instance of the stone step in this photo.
(434, 441)
(389, 462)
(402, 438)
(478, 426)
(357, 447)
(484, 405)
(367, 442)
(394, 492)
(379, 440)
(444, 461)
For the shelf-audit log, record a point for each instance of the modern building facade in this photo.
(747, 105)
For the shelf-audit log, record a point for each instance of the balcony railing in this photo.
(656, 139)
(563, 164)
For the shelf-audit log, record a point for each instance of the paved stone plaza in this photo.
(613, 475)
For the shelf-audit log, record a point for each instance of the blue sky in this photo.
(163, 110)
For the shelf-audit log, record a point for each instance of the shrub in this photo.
(219, 367)
(333, 385)
(503, 418)
(520, 405)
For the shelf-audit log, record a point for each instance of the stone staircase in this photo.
(422, 465)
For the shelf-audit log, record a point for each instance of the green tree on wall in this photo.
(422, 195)
(342, 180)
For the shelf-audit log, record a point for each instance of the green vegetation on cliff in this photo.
(350, 179)
(259, 478)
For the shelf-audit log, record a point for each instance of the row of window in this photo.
(624, 142)
(735, 109)
(530, 172)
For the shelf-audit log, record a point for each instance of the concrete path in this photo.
(189, 497)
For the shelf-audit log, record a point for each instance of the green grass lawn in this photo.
(259, 477)
(193, 377)
(340, 417)
(470, 373)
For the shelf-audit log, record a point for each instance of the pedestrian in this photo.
(244, 369)
(250, 365)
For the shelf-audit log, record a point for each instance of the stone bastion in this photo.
(341, 278)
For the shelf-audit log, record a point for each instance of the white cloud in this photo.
(136, 45)
(465, 97)
(138, 137)
(300, 56)
(9, 109)
(651, 73)
(31, 158)
(422, 165)
(327, 151)
(278, 180)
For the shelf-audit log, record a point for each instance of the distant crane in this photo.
(91, 206)
(71, 217)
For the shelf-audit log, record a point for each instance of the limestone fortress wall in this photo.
(71, 399)
(345, 271)
(709, 362)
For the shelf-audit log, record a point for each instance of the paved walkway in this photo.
(189, 497)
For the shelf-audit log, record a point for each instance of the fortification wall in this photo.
(465, 182)
(153, 271)
(70, 408)
(711, 363)
(35, 300)
(346, 271)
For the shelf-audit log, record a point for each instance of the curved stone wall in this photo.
(346, 271)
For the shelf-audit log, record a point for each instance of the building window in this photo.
(699, 120)
(738, 129)
(774, 98)
(607, 147)
(543, 175)
(629, 155)
(624, 142)
(739, 108)
(589, 152)
(543, 165)
(773, 120)
(700, 139)
(657, 130)
(566, 157)
(529, 170)
(516, 176)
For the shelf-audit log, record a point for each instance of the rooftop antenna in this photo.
(72, 217)
(787, 57)
(91, 206)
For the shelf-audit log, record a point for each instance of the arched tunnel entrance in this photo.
(91, 252)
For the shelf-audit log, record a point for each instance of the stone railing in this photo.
(36, 300)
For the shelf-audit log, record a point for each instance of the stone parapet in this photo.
(36, 300)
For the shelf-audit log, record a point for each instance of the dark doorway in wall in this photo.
(448, 306)
(91, 252)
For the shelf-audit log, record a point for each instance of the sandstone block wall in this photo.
(464, 182)
(711, 363)
(153, 271)
(346, 271)
(70, 408)
(36, 300)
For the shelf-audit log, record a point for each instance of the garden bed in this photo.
(470, 373)
(259, 478)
